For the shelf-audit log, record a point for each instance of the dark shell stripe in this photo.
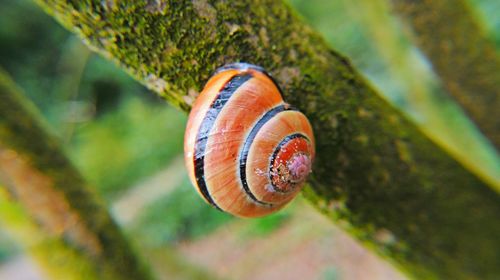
(246, 148)
(277, 150)
(242, 66)
(206, 125)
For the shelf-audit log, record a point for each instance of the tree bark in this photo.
(375, 173)
(462, 56)
(77, 237)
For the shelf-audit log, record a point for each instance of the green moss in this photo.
(395, 183)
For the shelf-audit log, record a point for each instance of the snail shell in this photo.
(246, 150)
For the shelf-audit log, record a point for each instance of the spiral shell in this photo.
(246, 150)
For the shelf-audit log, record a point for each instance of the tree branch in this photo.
(462, 56)
(375, 171)
(78, 239)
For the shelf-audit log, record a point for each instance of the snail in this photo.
(247, 152)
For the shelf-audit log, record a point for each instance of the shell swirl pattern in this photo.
(247, 151)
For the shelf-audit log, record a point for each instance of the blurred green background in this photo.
(125, 140)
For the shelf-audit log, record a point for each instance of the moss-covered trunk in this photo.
(375, 172)
(69, 230)
(462, 56)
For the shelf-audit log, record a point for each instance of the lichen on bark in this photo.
(375, 172)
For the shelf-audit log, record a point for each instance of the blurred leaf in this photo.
(263, 226)
(331, 273)
(120, 148)
(7, 247)
(182, 215)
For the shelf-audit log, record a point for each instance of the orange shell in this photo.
(234, 132)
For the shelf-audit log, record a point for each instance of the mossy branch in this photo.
(70, 230)
(462, 56)
(57, 259)
(376, 172)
